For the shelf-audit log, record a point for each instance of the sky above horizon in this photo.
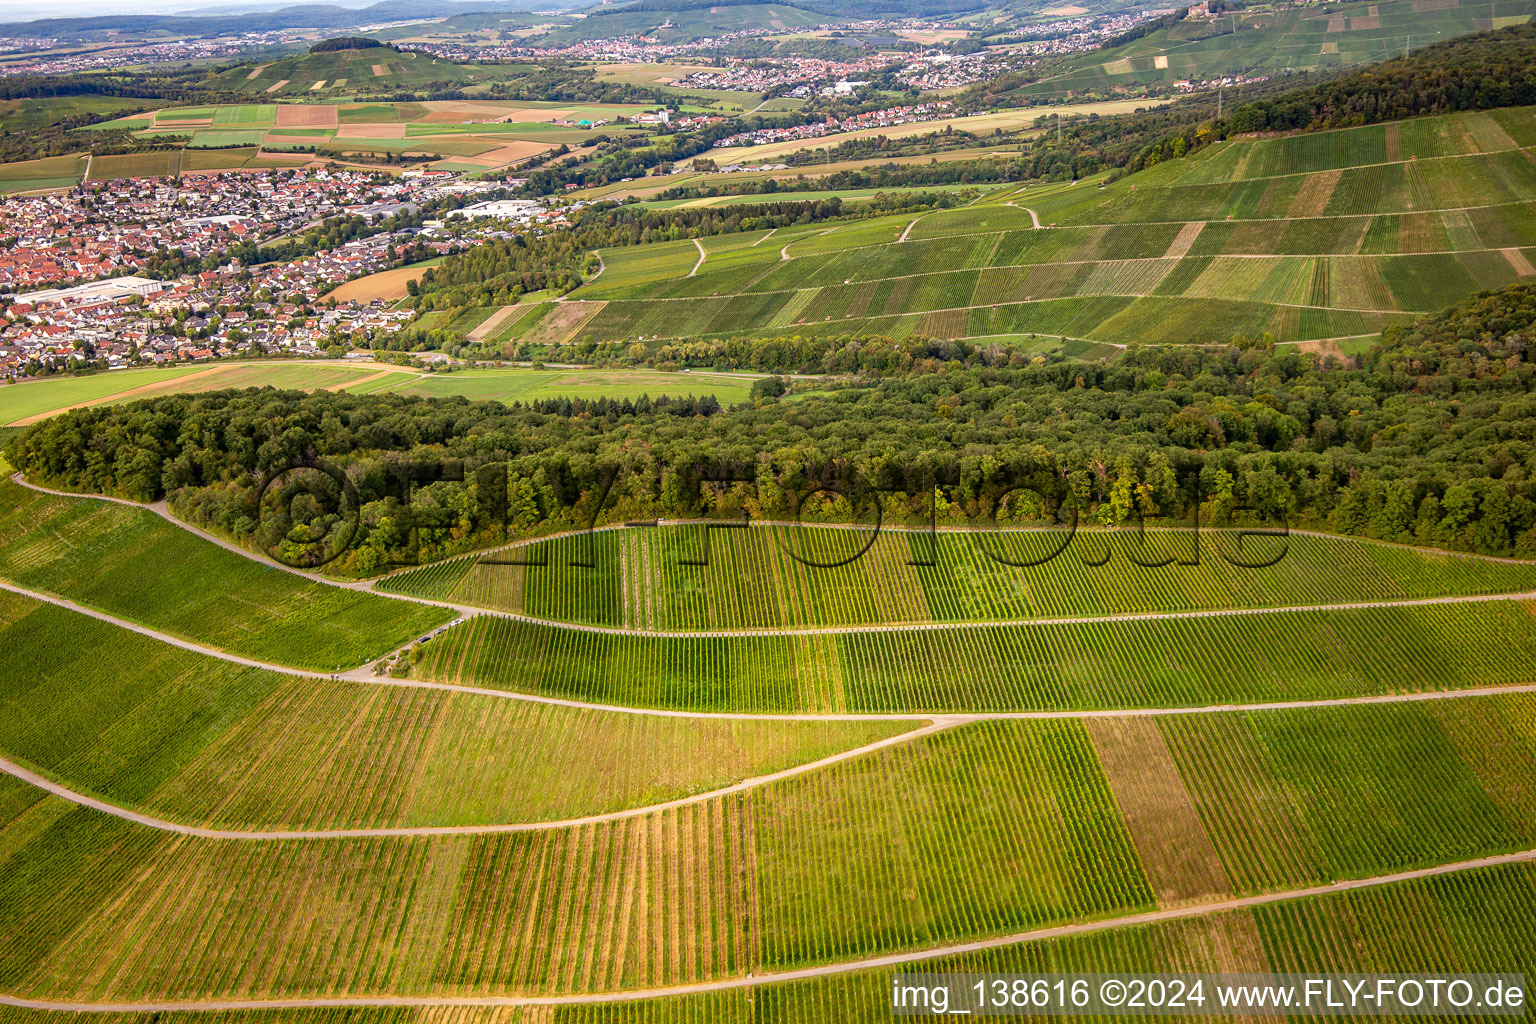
(31, 10)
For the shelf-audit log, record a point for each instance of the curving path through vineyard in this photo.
(928, 724)
(365, 674)
(805, 973)
(161, 824)
(924, 725)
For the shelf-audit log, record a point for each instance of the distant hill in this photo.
(687, 22)
(838, 10)
(474, 23)
(1262, 42)
(321, 16)
(371, 69)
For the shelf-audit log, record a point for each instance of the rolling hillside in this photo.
(369, 70)
(1308, 237)
(1262, 42)
(682, 26)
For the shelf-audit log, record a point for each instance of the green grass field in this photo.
(156, 163)
(131, 563)
(53, 172)
(33, 398)
(224, 137)
(527, 385)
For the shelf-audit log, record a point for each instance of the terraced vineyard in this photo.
(659, 773)
(1305, 237)
(202, 742)
(1345, 931)
(1056, 815)
(133, 564)
(876, 837)
(773, 577)
(1178, 661)
(1268, 40)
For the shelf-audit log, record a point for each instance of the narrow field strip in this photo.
(726, 634)
(149, 821)
(929, 627)
(468, 611)
(759, 980)
(365, 675)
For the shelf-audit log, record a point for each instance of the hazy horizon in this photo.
(33, 10)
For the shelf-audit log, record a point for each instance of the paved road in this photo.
(702, 254)
(780, 977)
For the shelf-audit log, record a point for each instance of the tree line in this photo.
(1428, 439)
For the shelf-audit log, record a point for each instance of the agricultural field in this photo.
(528, 385)
(386, 284)
(131, 563)
(1182, 660)
(664, 770)
(19, 403)
(38, 175)
(1330, 236)
(31, 401)
(473, 135)
(246, 749)
(774, 577)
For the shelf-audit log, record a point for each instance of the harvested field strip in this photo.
(1518, 262)
(563, 321)
(1185, 238)
(506, 315)
(1181, 864)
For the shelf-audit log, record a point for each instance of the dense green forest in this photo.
(1427, 439)
(348, 43)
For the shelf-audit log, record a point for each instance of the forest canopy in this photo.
(1427, 440)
